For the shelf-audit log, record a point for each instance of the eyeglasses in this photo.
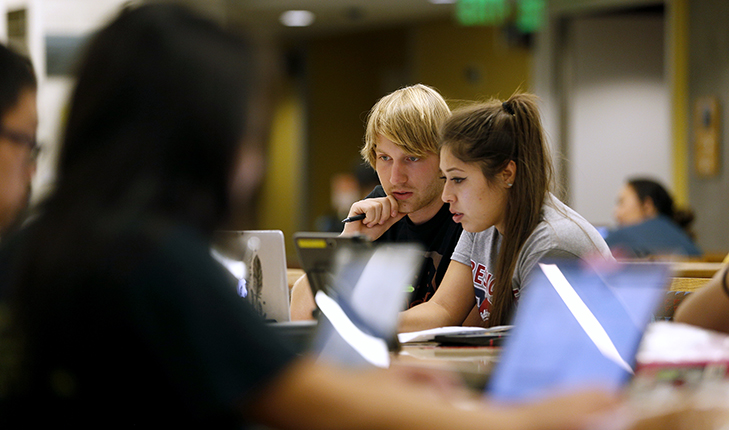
(20, 138)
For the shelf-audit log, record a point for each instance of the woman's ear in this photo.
(508, 175)
(649, 208)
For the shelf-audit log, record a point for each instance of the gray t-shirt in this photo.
(562, 233)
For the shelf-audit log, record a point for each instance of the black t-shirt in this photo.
(439, 236)
(166, 341)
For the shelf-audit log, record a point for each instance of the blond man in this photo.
(401, 144)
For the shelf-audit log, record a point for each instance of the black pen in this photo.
(357, 217)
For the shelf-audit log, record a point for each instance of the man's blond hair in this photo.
(409, 117)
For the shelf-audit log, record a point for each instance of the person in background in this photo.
(498, 173)
(346, 188)
(18, 147)
(649, 224)
(401, 144)
(114, 313)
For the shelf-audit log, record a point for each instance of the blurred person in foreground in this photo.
(18, 148)
(115, 313)
(649, 224)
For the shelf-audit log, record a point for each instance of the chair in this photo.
(686, 284)
(679, 289)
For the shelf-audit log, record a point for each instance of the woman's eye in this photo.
(458, 180)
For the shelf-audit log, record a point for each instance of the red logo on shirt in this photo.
(483, 284)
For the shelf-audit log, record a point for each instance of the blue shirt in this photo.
(656, 236)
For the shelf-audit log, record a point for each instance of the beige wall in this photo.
(281, 192)
(468, 63)
(345, 76)
(708, 76)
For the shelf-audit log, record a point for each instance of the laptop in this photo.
(360, 305)
(257, 259)
(577, 327)
(317, 253)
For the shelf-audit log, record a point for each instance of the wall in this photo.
(610, 57)
(709, 76)
(281, 196)
(469, 63)
(346, 74)
(617, 113)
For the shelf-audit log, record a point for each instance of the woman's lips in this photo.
(457, 217)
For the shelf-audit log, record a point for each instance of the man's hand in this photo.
(380, 214)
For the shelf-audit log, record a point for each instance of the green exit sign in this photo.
(528, 14)
(481, 12)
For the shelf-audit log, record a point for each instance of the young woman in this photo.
(115, 314)
(649, 224)
(497, 170)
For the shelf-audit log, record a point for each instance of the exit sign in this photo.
(527, 14)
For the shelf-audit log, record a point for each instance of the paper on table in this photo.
(671, 342)
(428, 335)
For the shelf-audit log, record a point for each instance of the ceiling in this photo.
(332, 16)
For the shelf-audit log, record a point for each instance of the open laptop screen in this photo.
(359, 309)
(577, 328)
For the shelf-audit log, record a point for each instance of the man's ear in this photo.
(508, 175)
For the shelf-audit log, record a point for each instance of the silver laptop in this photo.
(257, 259)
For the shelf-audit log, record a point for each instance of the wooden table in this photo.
(643, 409)
(473, 363)
(694, 269)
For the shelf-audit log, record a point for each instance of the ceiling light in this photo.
(443, 1)
(297, 18)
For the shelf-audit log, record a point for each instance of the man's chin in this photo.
(406, 208)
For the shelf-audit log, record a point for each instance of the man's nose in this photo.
(398, 175)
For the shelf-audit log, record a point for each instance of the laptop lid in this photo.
(257, 258)
(577, 327)
(317, 253)
(359, 309)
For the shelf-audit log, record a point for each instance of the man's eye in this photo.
(384, 158)
(413, 158)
